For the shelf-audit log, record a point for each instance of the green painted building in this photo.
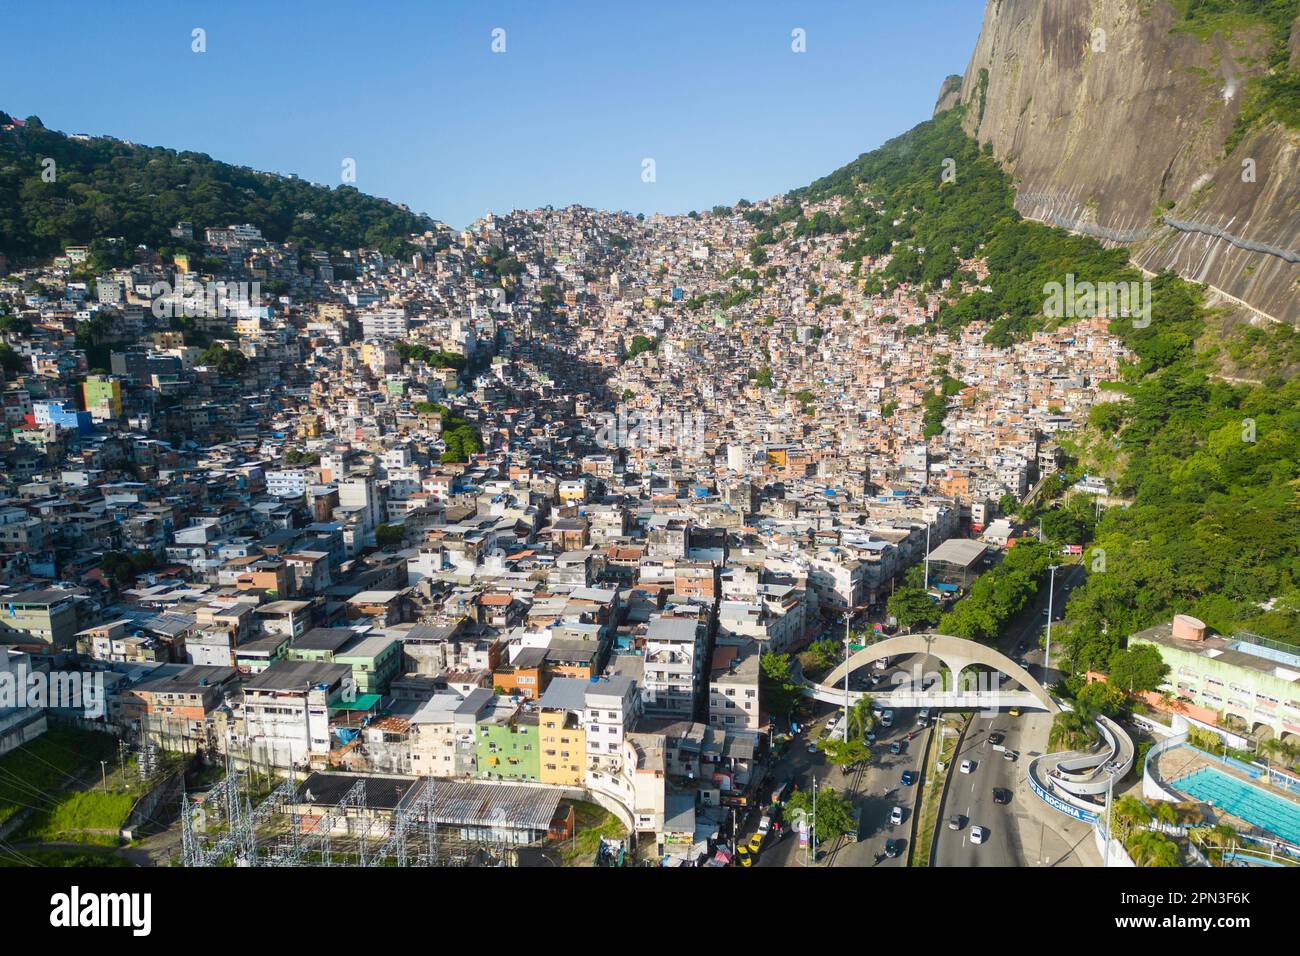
(375, 660)
(1253, 682)
(507, 746)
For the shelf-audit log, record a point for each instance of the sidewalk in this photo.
(1047, 837)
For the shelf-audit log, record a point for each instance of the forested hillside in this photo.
(1212, 468)
(105, 188)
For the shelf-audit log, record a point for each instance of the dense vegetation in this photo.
(460, 435)
(106, 188)
(434, 358)
(952, 201)
(999, 594)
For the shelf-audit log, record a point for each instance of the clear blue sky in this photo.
(412, 91)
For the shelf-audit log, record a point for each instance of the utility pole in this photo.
(848, 633)
(103, 774)
(1047, 654)
(926, 585)
(1110, 798)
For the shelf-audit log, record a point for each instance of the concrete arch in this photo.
(957, 653)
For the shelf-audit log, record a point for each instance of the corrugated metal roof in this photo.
(478, 804)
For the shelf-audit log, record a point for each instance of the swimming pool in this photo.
(1266, 810)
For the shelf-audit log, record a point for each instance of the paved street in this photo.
(874, 789)
(1020, 833)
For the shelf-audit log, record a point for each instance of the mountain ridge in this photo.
(1131, 122)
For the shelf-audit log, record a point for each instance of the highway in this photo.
(971, 795)
(875, 789)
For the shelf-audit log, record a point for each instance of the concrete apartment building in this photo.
(563, 739)
(674, 666)
(1252, 682)
(286, 711)
(443, 733)
(733, 687)
(49, 616)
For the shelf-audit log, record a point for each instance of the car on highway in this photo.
(1014, 712)
(923, 717)
(744, 857)
(893, 848)
(1001, 796)
(871, 736)
(956, 821)
(897, 747)
(756, 843)
(967, 766)
(908, 778)
(996, 738)
(978, 834)
(1009, 755)
(887, 719)
(896, 816)
(812, 748)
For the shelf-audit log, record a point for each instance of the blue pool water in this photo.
(1266, 810)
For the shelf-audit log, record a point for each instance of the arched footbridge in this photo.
(957, 655)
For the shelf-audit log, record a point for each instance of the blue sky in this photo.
(413, 92)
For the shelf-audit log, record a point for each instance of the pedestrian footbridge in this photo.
(957, 655)
(1072, 782)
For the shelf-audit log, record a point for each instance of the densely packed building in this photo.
(528, 504)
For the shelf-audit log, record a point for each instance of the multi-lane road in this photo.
(874, 790)
(970, 795)
(877, 788)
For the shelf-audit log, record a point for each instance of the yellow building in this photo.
(564, 747)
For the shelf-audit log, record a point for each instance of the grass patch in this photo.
(591, 822)
(48, 765)
(60, 857)
(86, 817)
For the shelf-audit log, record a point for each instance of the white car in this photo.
(896, 816)
(978, 834)
(967, 766)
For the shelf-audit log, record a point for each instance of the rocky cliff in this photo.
(1116, 121)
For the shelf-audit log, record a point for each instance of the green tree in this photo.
(776, 685)
(390, 535)
(833, 817)
(845, 753)
(913, 608)
(1138, 668)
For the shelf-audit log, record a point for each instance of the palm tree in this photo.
(1148, 848)
(1131, 810)
(1166, 813)
(861, 717)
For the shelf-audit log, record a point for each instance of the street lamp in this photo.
(1047, 654)
(926, 584)
(848, 636)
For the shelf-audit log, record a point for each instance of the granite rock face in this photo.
(1113, 124)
